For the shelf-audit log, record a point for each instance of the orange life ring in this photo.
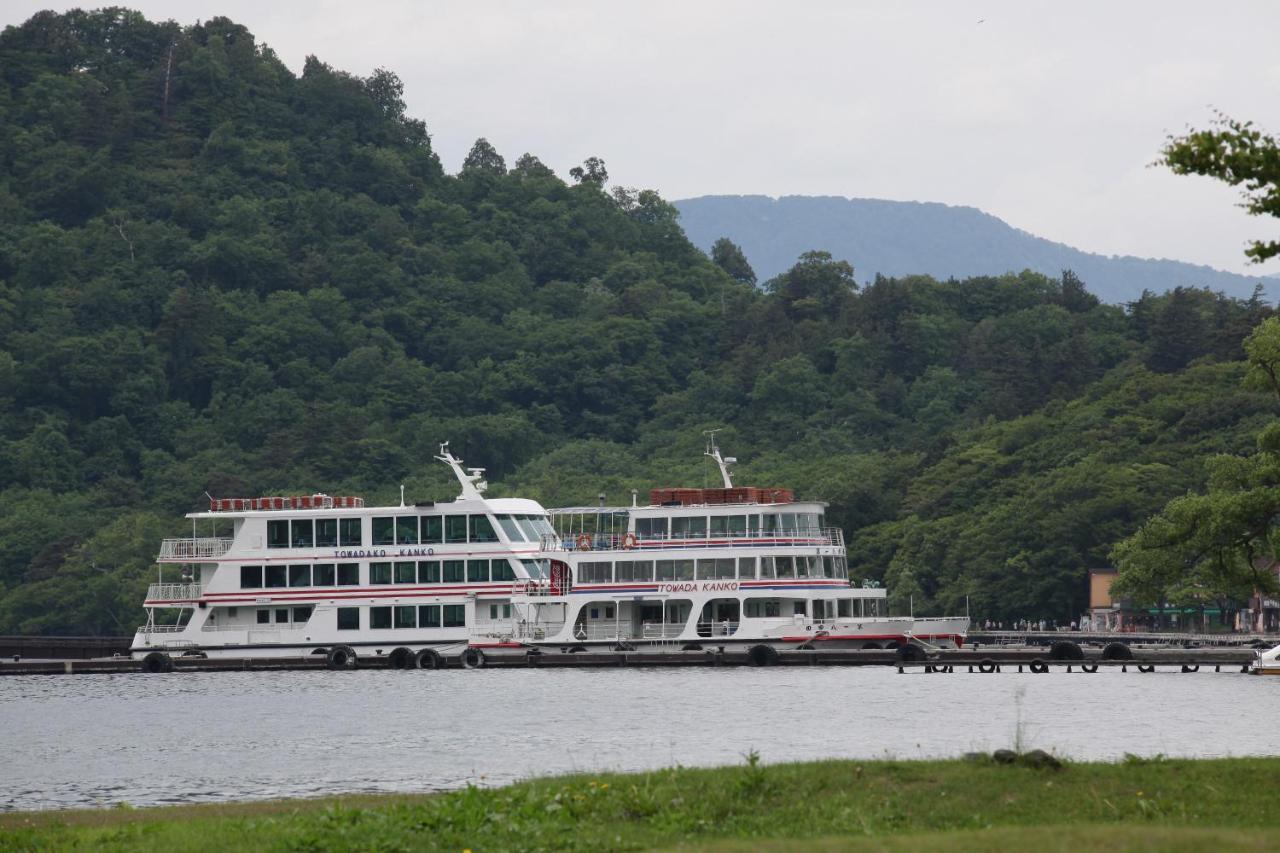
(629, 542)
(584, 541)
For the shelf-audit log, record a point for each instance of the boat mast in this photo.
(471, 480)
(722, 461)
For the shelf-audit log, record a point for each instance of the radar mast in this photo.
(471, 479)
(722, 461)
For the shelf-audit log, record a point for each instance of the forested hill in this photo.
(915, 238)
(219, 275)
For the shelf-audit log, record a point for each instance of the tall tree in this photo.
(729, 256)
(1238, 153)
(483, 158)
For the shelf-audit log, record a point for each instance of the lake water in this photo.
(88, 740)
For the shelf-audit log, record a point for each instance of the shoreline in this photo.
(952, 801)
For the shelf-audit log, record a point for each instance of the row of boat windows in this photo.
(315, 533)
(403, 530)
(728, 526)
(721, 568)
(403, 616)
(406, 572)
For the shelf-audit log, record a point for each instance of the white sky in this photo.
(1044, 114)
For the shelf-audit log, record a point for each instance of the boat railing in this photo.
(161, 629)
(189, 549)
(540, 587)
(804, 538)
(173, 591)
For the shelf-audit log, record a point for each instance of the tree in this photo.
(1238, 153)
(1221, 545)
(484, 159)
(816, 285)
(729, 257)
(592, 171)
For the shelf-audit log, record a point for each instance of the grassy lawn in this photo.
(1231, 804)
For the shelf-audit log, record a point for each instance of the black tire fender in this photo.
(341, 657)
(762, 655)
(157, 662)
(427, 659)
(473, 659)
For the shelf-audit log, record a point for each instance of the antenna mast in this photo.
(722, 461)
(472, 479)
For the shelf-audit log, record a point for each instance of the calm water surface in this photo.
(88, 740)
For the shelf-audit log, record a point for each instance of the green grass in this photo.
(838, 805)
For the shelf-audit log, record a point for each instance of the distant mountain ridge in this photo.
(898, 238)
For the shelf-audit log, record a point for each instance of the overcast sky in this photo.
(1047, 115)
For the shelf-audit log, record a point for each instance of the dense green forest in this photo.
(217, 275)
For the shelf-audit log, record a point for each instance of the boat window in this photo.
(384, 530)
(429, 571)
(454, 571)
(348, 574)
(634, 570)
(767, 568)
(763, 608)
(785, 567)
(595, 572)
(455, 615)
(477, 571)
(482, 529)
(406, 572)
(721, 567)
(406, 617)
(502, 570)
(499, 611)
(264, 617)
(251, 577)
(543, 524)
(651, 528)
(407, 530)
(737, 525)
(828, 567)
(787, 522)
(753, 523)
(684, 570)
(746, 567)
(799, 607)
(278, 533)
(841, 567)
(666, 570)
(719, 525)
(379, 617)
(350, 533)
(303, 533)
(348, 618)
(282, 616)
(455, 528)
(326, 532)
(510, 528)
(432, 529)
(806, 567)
(845, 607)
(689, 527)
(276, 576)
(528, 527)
(534, 568)
(299, 576)
(379, 573)
(301, 615)
(769, 523)
(429, 616)
(322, 574)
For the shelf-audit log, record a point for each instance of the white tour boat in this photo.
(329, 576)
(745, 568)
(1268, 662)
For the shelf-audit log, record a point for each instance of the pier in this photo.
(983, 659)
